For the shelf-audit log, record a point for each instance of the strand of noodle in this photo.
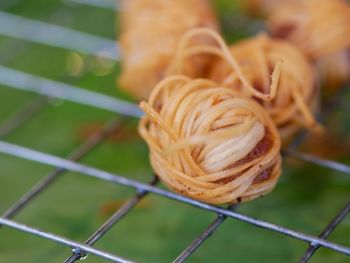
(226, 54)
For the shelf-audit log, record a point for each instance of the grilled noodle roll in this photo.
(150, 33)
(210, 143)
(296, 99)
(321, 29)
(317, 27)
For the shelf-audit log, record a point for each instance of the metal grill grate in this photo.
(47, 89)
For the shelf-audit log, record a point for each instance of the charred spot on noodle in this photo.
(263, 176)
(284, 31)
(260, 149)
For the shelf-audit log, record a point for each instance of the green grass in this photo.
(158, 229)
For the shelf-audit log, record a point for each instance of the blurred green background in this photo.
(158, 229)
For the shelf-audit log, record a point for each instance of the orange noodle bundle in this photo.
(210, 143)
(253, 68)
(151, 31)
(321, 29)
(297, 95)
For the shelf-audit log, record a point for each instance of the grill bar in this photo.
(61, 240)
(24, 81)
(319, 161)
(25, 153)
(26, 112)
(326, 232)
(196, 243)
(118, 215)
(76, 155)
(57, 36)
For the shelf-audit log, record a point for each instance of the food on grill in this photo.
(150, 33)
(297, 94)
(321, 29)
(210, 143)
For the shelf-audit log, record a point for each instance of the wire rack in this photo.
(44, 33)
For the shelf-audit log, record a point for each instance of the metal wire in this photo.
(78, 153)
(93, 141)
(318, 161)
(19, 118)
(119, 214)
(326, 232)
(196, 243)
(26, 112)
(24, 81)
(57, 36)
(25, 153)
(62, 240)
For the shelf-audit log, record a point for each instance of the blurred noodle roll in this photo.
(321, 29)
(296, 97)
(150, 33)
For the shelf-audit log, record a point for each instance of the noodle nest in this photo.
(210, 143)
